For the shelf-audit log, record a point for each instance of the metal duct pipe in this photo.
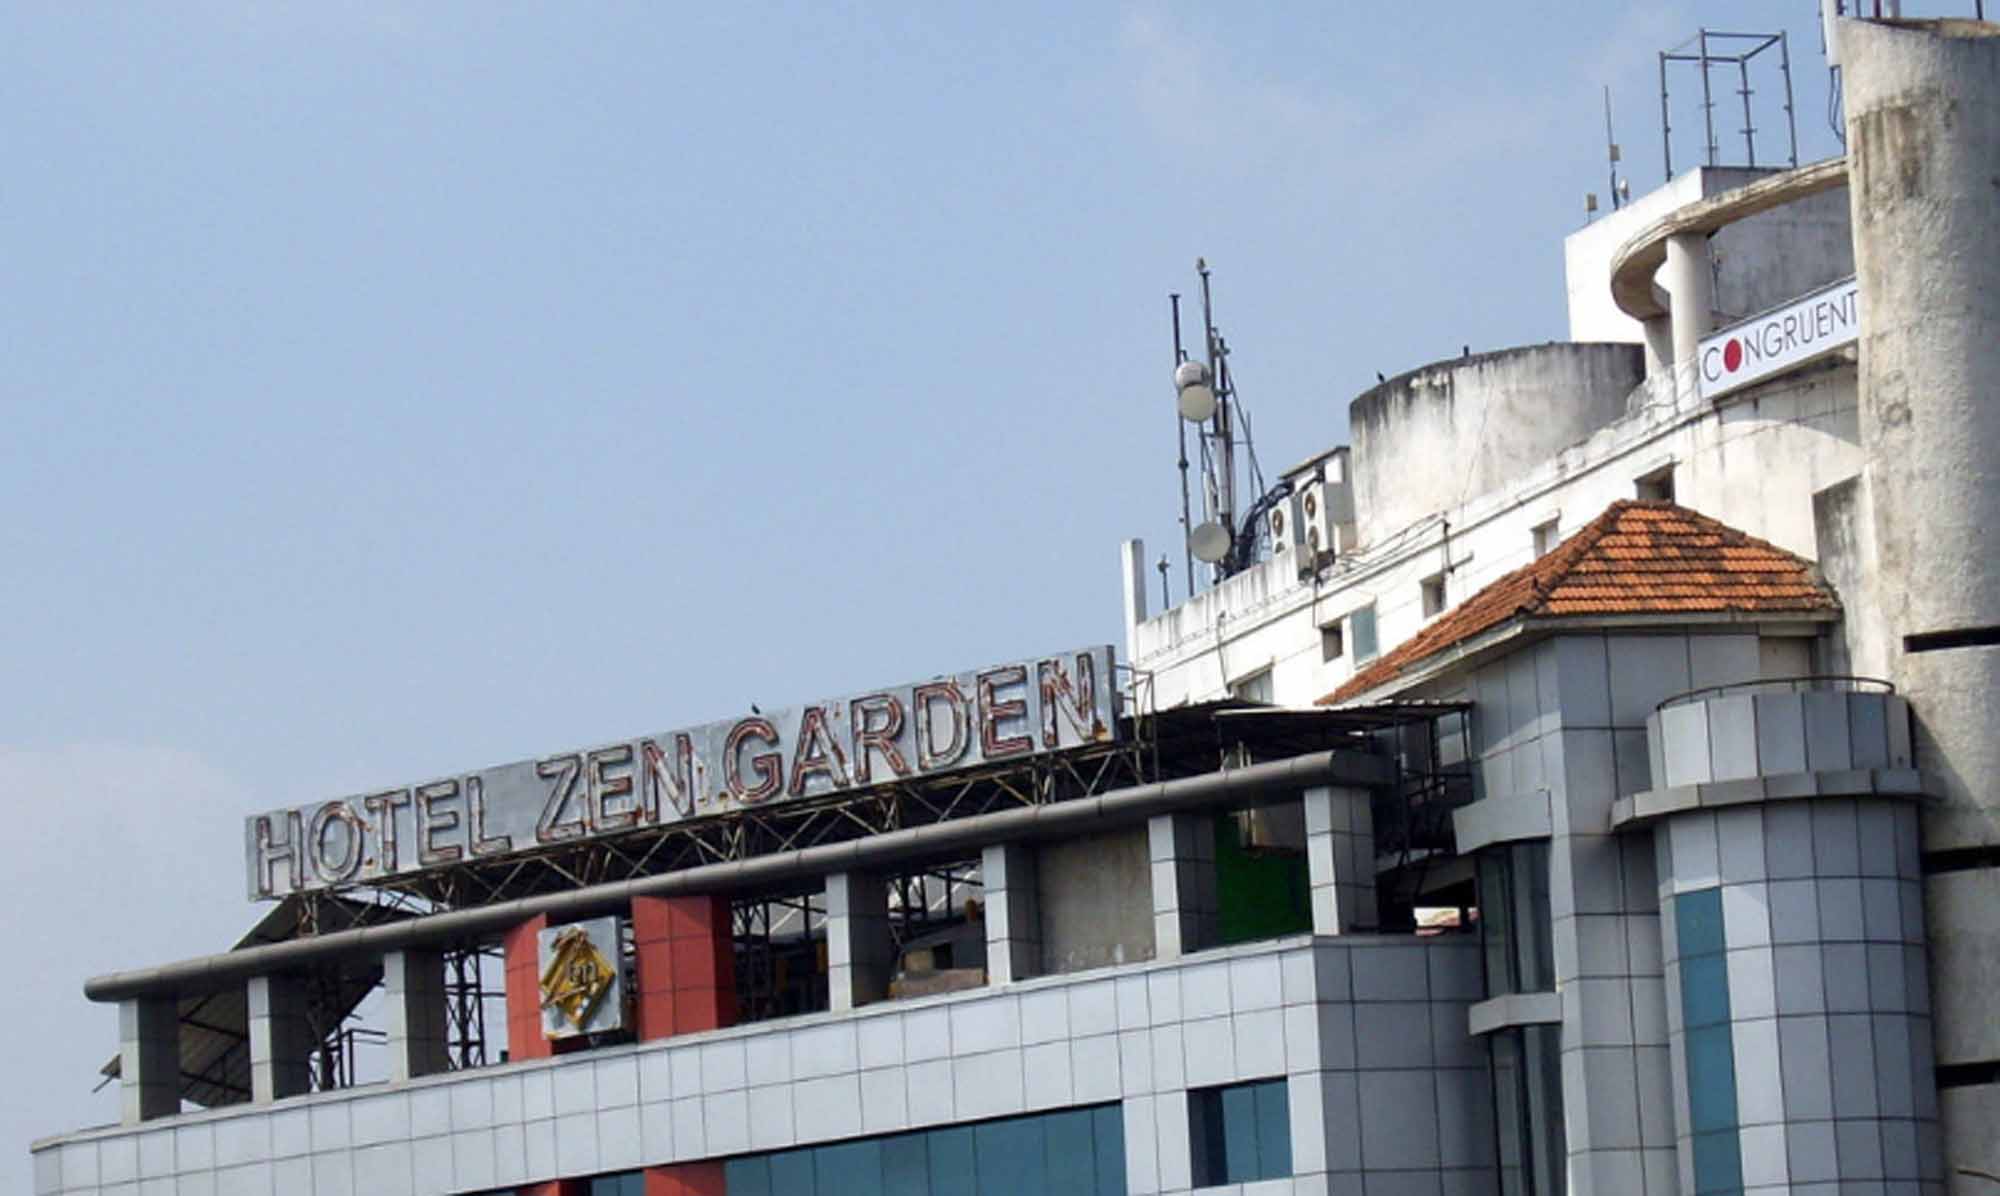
(211, 972)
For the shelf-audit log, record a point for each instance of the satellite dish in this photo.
(1197, 397)
(1210, 542)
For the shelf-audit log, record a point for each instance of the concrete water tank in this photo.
(1426, 440)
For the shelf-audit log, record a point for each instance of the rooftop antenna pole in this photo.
(1666, 119)
(1611, 146)
(1225, 501)
(1707, 99)
(1749, 126)
(1180, 429)
(1791, 120)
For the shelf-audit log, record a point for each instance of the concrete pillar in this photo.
(1013, 914)
(1340, 859)
(686, 952)
(859, 953)
(1689, 278)
(149, 1059)
(1659, 333)
(522, 949)
(1923, 137)
(686, 1179)
(414, 1013)
(281, 1039)
(1184, 903)
(1132, 558)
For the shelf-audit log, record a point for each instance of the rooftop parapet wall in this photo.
(1427, 440)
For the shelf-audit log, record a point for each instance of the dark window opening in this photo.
(1545, 538)
(1957, 637)
(1514, 922)
(1433, 593)
(1657, 486)
(1527, 1102)
(780, 956)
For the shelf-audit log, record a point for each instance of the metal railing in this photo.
(1835, 682)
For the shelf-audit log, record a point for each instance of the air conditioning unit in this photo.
(1326, 513)
(1316, 531)
(1282, 521)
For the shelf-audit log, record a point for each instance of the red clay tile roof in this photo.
(1637, 558)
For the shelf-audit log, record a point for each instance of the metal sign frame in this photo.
(724, 772)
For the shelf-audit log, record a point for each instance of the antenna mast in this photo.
(1611, 151)
(1205, 396)
(1180, 429)
(1225, 469)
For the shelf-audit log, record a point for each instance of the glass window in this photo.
(625, 1183)
(1514, 922)
(1709, 1052)
(1527, 1101)
(1361, 626)
(1240, 1133)
(1069, 1152)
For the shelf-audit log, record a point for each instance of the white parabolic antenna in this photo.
(1210, 542)
(1197, 397)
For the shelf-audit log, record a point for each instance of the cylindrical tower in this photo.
(1923, 118)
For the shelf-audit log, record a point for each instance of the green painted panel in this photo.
(1259, 895)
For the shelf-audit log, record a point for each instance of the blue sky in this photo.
(392, 390)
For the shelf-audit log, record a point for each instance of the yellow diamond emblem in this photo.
(577, 977)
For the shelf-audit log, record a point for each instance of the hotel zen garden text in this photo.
(1000, 713)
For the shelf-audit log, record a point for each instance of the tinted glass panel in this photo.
(1070, 1154)
(848, 1167)
(1011, 1156)
(747, 1177)
(1274, 1128)
(1074, 1152)
(792, 1173)
(1698, 922)
(1108, 1126)
(954, 1169)
(1240, 1133)
(906, 1167)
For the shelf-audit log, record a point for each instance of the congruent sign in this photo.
(1779, 340)
(986, 716)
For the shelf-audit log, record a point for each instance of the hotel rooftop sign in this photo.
(1765, 346)
(946, 724)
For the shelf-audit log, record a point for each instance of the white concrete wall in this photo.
(1426, 440)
